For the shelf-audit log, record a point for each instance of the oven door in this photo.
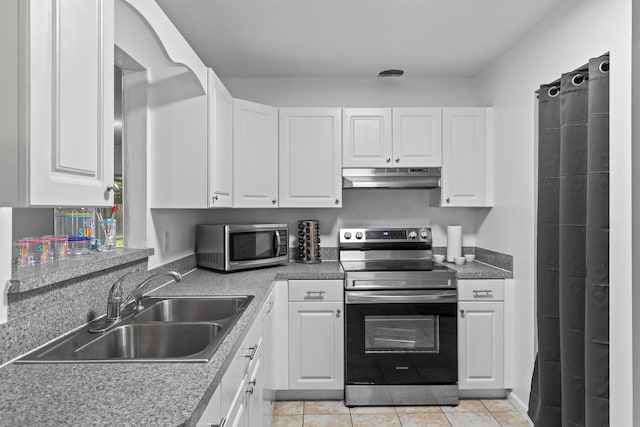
(401, 337)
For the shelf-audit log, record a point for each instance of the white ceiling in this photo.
(353, 38)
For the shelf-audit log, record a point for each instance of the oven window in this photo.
(403, 334)
(251, 246)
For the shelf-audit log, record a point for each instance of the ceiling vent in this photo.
(391, 73)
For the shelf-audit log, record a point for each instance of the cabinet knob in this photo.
(388, 159)
(461, 313)
(337, 202)
(273, 202)
(214, 198)
(113, 187)
(398, 160)
(448, 200)
(338, 313)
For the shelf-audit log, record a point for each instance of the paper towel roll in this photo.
(454, 241)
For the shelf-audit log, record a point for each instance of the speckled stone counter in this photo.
(37, 276)
(478, 270)
(141, 394)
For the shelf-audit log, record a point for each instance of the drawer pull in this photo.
(270, 308)
(253, 352)
(315, 294)
(482, 293)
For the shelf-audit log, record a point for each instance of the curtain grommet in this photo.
(553, 91)
(604, 67)
(578, 79)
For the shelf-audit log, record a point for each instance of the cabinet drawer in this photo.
(316, 290)
(481, 290)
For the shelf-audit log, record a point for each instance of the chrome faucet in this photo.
(115, 303)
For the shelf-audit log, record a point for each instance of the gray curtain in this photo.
(570, 384)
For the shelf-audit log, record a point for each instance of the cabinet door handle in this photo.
(482, 293)
(214, 198)
(113, 187)
(337, 202)
(253, 352)
(461, 313)
(388, 159)
(398, 160)
(338, 313)
(320, 294)
(273, 201)
(448, 200)
(250, 390)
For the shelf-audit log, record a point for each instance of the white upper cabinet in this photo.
(310, 157)
(56, 103)
(398, 137)
(255, 155)
(417, 137)
(220, 107)
(366, 137)
(467, 167)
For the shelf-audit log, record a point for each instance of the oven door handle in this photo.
(379, 297)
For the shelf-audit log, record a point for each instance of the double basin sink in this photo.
(180, 329)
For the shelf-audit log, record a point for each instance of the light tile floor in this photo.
(469, 413)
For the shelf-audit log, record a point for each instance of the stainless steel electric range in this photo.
(401, 327)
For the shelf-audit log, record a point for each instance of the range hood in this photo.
(391, 178)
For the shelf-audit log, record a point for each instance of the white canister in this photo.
(454, 242)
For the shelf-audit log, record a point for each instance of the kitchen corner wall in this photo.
(5, 259)
(560, 43)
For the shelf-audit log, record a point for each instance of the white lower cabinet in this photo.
(244, 397)
(316, 335)
(481, 334)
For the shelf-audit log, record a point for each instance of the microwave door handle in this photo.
(276, 246)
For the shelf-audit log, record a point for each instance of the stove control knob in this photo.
(347, 235)
(413, 235)
(424, 234)
(359, 235)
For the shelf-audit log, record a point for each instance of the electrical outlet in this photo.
(166, 241)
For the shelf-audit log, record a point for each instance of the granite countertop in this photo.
(478, 270)
(138, 394)
(167, 394)
(36, 276)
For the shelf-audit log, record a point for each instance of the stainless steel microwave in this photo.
(230, 247)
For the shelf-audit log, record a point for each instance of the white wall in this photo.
(561, 43)
(5, 259)
(363, 208)
(354, 92)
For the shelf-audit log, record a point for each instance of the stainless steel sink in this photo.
(168, 330)
(151, 341)
(191, 309)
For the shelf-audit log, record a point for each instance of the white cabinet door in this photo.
(220, 107)
(367, 139)
(212, 414)
(238, 416)
(310, 157)
(464, 158)
(316, 343)
(417, 137)
(255, 155)
(481, 345)
(58, 131)
(266, 376)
